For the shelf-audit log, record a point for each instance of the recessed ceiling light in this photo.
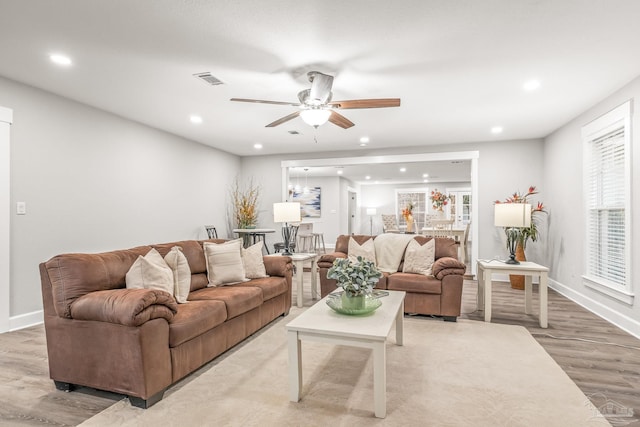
(531, 85)
(364, 139)
(367, 177)
(425, 175)
(496, 129)
(363, 144)
(339, 172)
(56, 58)
(377, 182)
(403, 169)
(195, 119)
(257, 146)
(426, 180)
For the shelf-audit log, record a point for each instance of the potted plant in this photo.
(521, 235)
(357, 279)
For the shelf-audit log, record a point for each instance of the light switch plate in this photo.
(21, 208)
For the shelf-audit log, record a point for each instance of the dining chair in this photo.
(211, 231)
(390, 224)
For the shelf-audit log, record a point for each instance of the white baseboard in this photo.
(25, 320)
(620, 320)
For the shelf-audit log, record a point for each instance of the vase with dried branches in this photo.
(244, 203)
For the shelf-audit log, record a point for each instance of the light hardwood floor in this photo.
(601, 370)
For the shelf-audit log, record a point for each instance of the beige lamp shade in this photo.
(286, 212)
(512, 215)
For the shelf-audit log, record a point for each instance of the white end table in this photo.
(526, 269)
(299, 260)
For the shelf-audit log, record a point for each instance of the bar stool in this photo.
(317, 239)
(305, 237)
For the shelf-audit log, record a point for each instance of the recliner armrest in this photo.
(447, 265)
(326, 260)
(128, 307)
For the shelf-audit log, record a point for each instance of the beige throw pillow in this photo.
(179, 266)
(419, 258)
(224, 262)
(366, 250)
(150, 272)
(253, 263)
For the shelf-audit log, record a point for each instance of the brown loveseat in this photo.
(440, 294)
(138, 342)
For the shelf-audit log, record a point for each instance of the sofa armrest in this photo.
(128, 307)
(277, 265)
(326, 260)
(447, 265)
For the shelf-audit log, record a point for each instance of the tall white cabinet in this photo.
(6, 118)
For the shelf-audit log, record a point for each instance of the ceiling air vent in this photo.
(209, 79)
(294, 132)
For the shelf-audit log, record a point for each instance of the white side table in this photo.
(525, 268)
(299, 260)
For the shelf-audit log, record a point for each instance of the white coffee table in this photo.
(320, 323)
(528, 270)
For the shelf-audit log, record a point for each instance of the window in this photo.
(607, 187)
(417, 196)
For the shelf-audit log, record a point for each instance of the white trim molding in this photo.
(25, 320)
(625, 323)
(6, 119)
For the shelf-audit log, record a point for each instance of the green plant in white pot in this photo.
(357, 279)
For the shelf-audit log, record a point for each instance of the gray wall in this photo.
(563, 181)
(93, 181)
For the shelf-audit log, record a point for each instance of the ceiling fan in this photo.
(316, 107)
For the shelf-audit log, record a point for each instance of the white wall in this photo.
(565, 239)
(93, 181)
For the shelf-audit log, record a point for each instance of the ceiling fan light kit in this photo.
(317, 107)
(315, 117)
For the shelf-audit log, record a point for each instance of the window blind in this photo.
(606, 216)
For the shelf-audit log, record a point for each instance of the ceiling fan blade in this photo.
(321, 85)
(260, 101)
(366, 103)
(283, 119)
(340, 120)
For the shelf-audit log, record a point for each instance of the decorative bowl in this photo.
(370, 305)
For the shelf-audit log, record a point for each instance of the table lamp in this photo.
(286, 212)
(512, 216)
(371, 212)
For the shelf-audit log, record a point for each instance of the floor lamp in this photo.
(514, 217)
(371, 212)
(286, 212)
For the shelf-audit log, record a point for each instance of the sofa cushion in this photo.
(192, 250)
(342, 243)
(410, 282)
(366, 250)
(252, 261)
(271, 286)
(194, 319)
(179, 266)
(238, 299)
(150, 272)
(419, 258)
(224, 262)
(390, 249)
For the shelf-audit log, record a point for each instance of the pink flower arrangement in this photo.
(438, 199)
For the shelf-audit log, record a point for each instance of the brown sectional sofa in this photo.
(138, 342)
(438, 295)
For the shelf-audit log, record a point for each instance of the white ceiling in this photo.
(458, 66)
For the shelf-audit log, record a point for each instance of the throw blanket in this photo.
(390, 250)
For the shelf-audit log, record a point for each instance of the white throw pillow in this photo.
(367, 250)
(179, 266)
(419, 258)
(150, 272)
(224, 262)
(253, 263)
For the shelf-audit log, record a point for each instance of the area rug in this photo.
(447, 374)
